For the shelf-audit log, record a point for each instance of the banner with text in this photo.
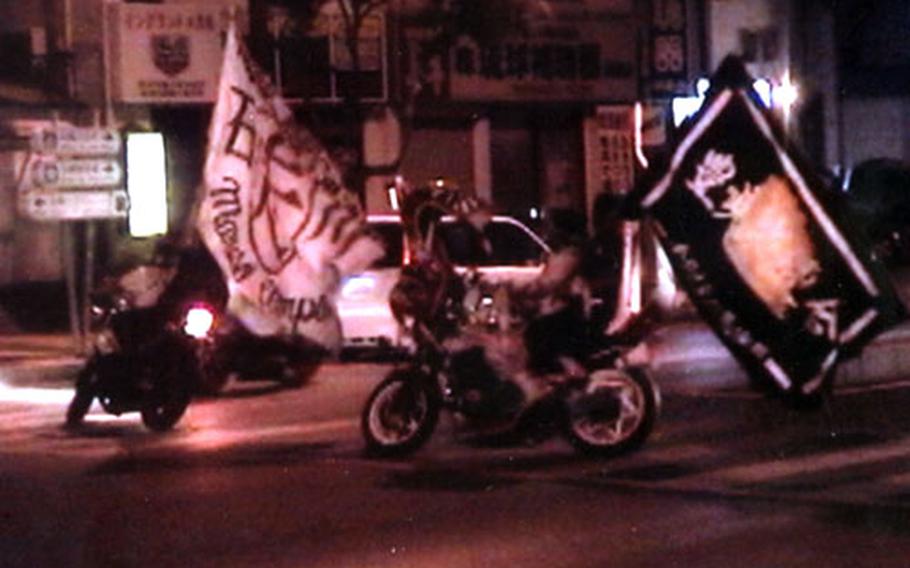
(275, 214)
(757, 245)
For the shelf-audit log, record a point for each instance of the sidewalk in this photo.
(38, 359)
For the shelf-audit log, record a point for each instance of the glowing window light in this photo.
(684, 107)
(392, 193)
(786, 94)
(146, 183)
(763, 88)
(639, 150)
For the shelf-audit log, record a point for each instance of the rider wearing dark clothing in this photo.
(602, 257)
(197, 278)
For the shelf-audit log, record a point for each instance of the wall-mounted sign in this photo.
(668, 73)
(169, 53)
(74, 205)
(609, 149)
(76, 172)
(73, 141)
(73, 173)
(569, 51)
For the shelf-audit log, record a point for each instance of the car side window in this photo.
(511, 245)
(464, 244)
(391, 236)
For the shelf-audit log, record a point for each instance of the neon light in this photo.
(146, 183)
(639, 152)
(393, 197)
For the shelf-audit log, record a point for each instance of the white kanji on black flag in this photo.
(756, 243)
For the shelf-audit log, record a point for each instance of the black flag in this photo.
(757, 243)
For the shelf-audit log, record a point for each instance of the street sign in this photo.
(77, 141)
(57, 205)
(49, 173)
(74, 173)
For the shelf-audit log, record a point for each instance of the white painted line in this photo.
(814, 463)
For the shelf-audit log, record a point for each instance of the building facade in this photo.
(539, 112)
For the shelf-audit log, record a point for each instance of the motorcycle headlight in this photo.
(106, 342)
(199, 321)
(98, 313)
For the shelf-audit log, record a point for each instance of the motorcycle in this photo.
(602, 402)
(229, 351)
(140, 363)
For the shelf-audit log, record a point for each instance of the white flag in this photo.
(275, 214)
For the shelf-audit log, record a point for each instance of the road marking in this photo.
(760, 472)
(35, 395)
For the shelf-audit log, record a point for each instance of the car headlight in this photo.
(357, 286)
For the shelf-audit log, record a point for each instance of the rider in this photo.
(196, 277)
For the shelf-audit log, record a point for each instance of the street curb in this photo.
(49, 373)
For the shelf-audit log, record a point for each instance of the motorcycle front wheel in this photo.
(400, 414)
(614, 414)
(83, 396)
(169, 399)
(162, 415)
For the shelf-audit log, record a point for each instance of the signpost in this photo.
(72, 141)
(76, 205)
(55, 173)
(75, 174)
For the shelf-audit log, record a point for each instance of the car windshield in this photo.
(512, 245)
(509, 244)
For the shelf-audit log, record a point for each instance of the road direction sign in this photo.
(77, 141)
(57, 205)
(76, 172)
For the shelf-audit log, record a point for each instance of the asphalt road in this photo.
(263, 477)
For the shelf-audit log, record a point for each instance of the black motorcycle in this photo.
(601, 404)
(140, 363)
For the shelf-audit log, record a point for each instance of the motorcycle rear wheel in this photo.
(400, 415)
(594, 429)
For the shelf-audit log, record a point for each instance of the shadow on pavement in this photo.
(259, 456)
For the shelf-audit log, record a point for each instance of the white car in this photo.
(517, 256)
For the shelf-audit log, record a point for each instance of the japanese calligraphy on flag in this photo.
(275, 213)
(757, 244)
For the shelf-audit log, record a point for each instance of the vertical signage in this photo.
(609, 152)
(668, 50)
